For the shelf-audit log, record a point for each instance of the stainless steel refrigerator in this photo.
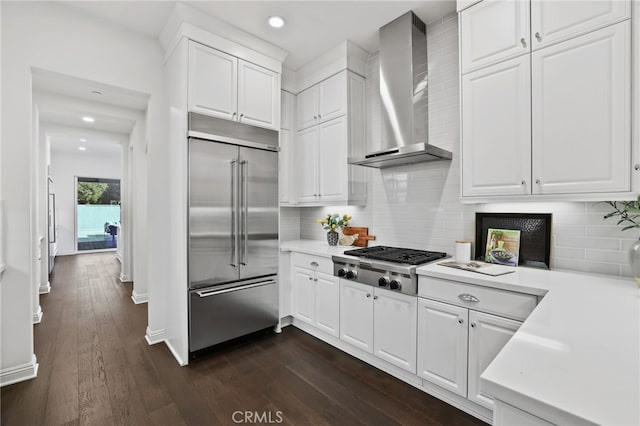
(233, 230)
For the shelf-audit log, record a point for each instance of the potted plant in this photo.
(333, 224)
(628, 214)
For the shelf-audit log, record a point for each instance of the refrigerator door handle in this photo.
(207, 293)
(234, 214)
(244, 210)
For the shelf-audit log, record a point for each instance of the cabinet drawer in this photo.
(316, 263)
(505, 303)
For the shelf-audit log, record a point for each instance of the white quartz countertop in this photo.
(316, 247)
(576, 358)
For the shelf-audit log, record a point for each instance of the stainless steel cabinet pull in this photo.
(375, 297)
(538, 181)
(636, 167)
(244, 210)
(524, 182)
(310, 278)
(314, 263)
(538, 37)
(473, 324)
(524, 42)
(234, 114)
(319, 116)
(234, 247)
(315, 279)
(460, 320)
(315, 117)
(368, 294)
(468, 297)
(241, 115)
(207, 293)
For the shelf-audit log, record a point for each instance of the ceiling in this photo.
(95, 145)
(312, 27)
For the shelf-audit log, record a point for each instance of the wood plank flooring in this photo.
(97, 369)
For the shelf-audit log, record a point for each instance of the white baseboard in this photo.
(118, 257)
(37, 316)
(152, 337)
(139, 298)
(125, 278)
(45, 289)
(19, 373)
(425, 386)
(175, 354)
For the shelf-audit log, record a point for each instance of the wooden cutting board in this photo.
(363, 235)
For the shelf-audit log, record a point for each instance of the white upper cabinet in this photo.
(332, 97)
(487, 336)
(492, 31)
(554, 21)
(496, 106)
(258, 95)
(332, 167)
(213, 84)
(307, 165)
(582, 114)
(286, 167)
(322, 102)
(394, 325)
(226, 87)
(287, 110)
(442, 345)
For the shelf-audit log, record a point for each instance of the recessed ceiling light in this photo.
(82, 148)
(88, 119)
(276, 21)
(83, 140)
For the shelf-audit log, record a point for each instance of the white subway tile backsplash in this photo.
(418, 206)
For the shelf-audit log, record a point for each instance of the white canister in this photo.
(463, 251)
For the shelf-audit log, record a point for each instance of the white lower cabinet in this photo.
(442, 345)
(316, 299)
(394, 328)
(356, 315)
(487, 336)
(379, 322)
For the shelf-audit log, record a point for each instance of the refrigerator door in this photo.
(213, 207)
(225, 312)
(258, 212)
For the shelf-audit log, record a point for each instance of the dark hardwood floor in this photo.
(97, 369)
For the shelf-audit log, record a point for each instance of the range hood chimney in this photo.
(404, 97)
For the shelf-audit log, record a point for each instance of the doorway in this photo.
(97, 213)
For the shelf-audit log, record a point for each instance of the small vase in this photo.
(332, 238)
(634, 261)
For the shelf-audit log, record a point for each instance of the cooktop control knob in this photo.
(383, 281)
(351, 275)
(394, 285)
(342, 272)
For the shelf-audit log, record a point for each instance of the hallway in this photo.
(97, 369)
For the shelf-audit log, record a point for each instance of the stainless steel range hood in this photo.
(404, 97)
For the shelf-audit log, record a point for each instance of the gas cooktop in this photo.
(397, 255)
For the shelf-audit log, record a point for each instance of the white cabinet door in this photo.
(332, 158)
(286, 178)
(307, 165)
(492, 31)
(287, 108)
(581, 114)
(394, 325)
(442, 345)
(258, 96)
(554, 21)
(496, 129)
(307, 108)
(332, 97)
(213, 82)
(356, 315)
(487, 336)
(327, 303)
(303, 295)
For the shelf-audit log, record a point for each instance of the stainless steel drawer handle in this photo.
(460, 320)
(524, 42)
(473, 324)
(368, 294)
(468, 297)
(539, 37)
(375, 297)
(314, 263)
(310, 278)
(636, 167)
(207, 293)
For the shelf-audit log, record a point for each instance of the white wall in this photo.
(418, 206)
(65, 167)
(49, 36)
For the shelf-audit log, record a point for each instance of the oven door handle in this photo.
(207, 293)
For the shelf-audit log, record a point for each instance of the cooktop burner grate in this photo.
(397, 255)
